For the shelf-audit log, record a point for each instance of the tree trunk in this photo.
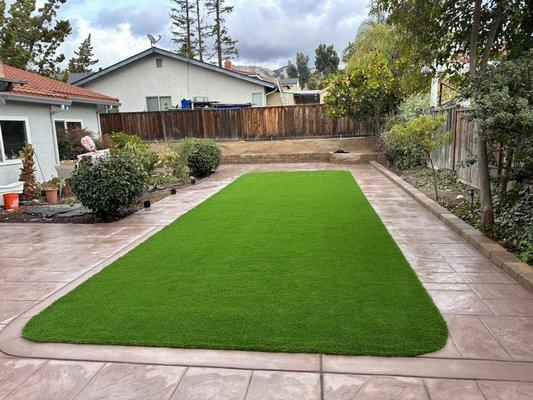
(487, 213)
(218, 23)
(199, 28)
(507, 168)
(434, 172)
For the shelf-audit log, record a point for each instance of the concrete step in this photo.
(340, 158)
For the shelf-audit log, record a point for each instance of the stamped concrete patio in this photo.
(489, 354)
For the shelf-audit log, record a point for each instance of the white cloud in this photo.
(110, 44)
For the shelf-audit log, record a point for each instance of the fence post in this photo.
(454, 134)
(163, 125)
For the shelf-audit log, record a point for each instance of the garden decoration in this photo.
(88, 143)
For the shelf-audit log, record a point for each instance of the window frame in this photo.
(159, 62)
(26, 121)
(158, 102)
(262, 98)
(65, 121)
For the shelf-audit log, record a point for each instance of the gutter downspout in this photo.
(54, 133)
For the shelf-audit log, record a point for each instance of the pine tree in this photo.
(302, 65)
(31, 37)
(183, 27)
(27, 175)
(200, 32)
(292, 71)
(224, 47)
(326, 60)
(84, 57)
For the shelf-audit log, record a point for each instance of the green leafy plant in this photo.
(114, 183)
(123, 141)
(428, 133)
(362, 92)
(172, 166)
(203, 155)
(69, 142)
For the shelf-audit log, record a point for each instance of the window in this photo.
(66, 126)
(257, 99)
(156, 103)
(152, 104)
(159, 63)
(165, 103)
(13, 138)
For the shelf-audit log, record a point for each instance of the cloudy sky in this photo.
(269, 31)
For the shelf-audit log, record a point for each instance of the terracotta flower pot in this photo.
(51, 195)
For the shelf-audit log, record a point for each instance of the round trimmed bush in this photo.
(115, 183)
(203, 155)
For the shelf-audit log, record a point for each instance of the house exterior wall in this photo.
(41, 135)
(134, 82)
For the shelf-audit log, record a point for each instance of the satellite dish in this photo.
(153, 40)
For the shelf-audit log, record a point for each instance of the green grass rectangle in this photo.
(292, 262)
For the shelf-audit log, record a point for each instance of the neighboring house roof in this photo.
(37, 86)
(289, 81)
(76, 76)
(162, 52)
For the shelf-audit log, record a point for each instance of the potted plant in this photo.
(51, 194)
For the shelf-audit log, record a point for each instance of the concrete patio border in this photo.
(428, 366)
(508, 262)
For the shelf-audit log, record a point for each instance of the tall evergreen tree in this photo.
(183, 27)
(83, 61)
(31, 37)
(224, 47)
(201, 34)
(292, 71)
(326, 60)
(302, 65)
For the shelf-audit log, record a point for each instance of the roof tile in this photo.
(41, 86)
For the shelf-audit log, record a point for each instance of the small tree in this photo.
(27, 175)
(427, 132)
(302, 65)
(326, 60)
(292, 71)
(84, 57)
(364, 92)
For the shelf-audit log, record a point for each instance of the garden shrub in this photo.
(133, 143)
(203, 155)
(172, 166)
(115, 183)
(514, 222)
(69, 143)
(405, 155)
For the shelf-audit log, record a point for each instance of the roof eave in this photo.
(94, 101)
(157, 50)
(34, 99)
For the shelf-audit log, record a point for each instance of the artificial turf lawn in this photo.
(295, 262)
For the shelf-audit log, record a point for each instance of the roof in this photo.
(289, 81)
(157, 50)
(35, 85)
(76, 76)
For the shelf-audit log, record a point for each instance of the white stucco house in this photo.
(157, 80)
(32, 109)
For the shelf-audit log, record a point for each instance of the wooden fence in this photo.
(462, 148)
(282, 122)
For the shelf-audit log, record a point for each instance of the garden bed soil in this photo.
(22, 216)
(455, 196)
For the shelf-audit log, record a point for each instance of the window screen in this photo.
(71, 125)
(257, 99)
(152, 104)
(165, 103)
(13, 135)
